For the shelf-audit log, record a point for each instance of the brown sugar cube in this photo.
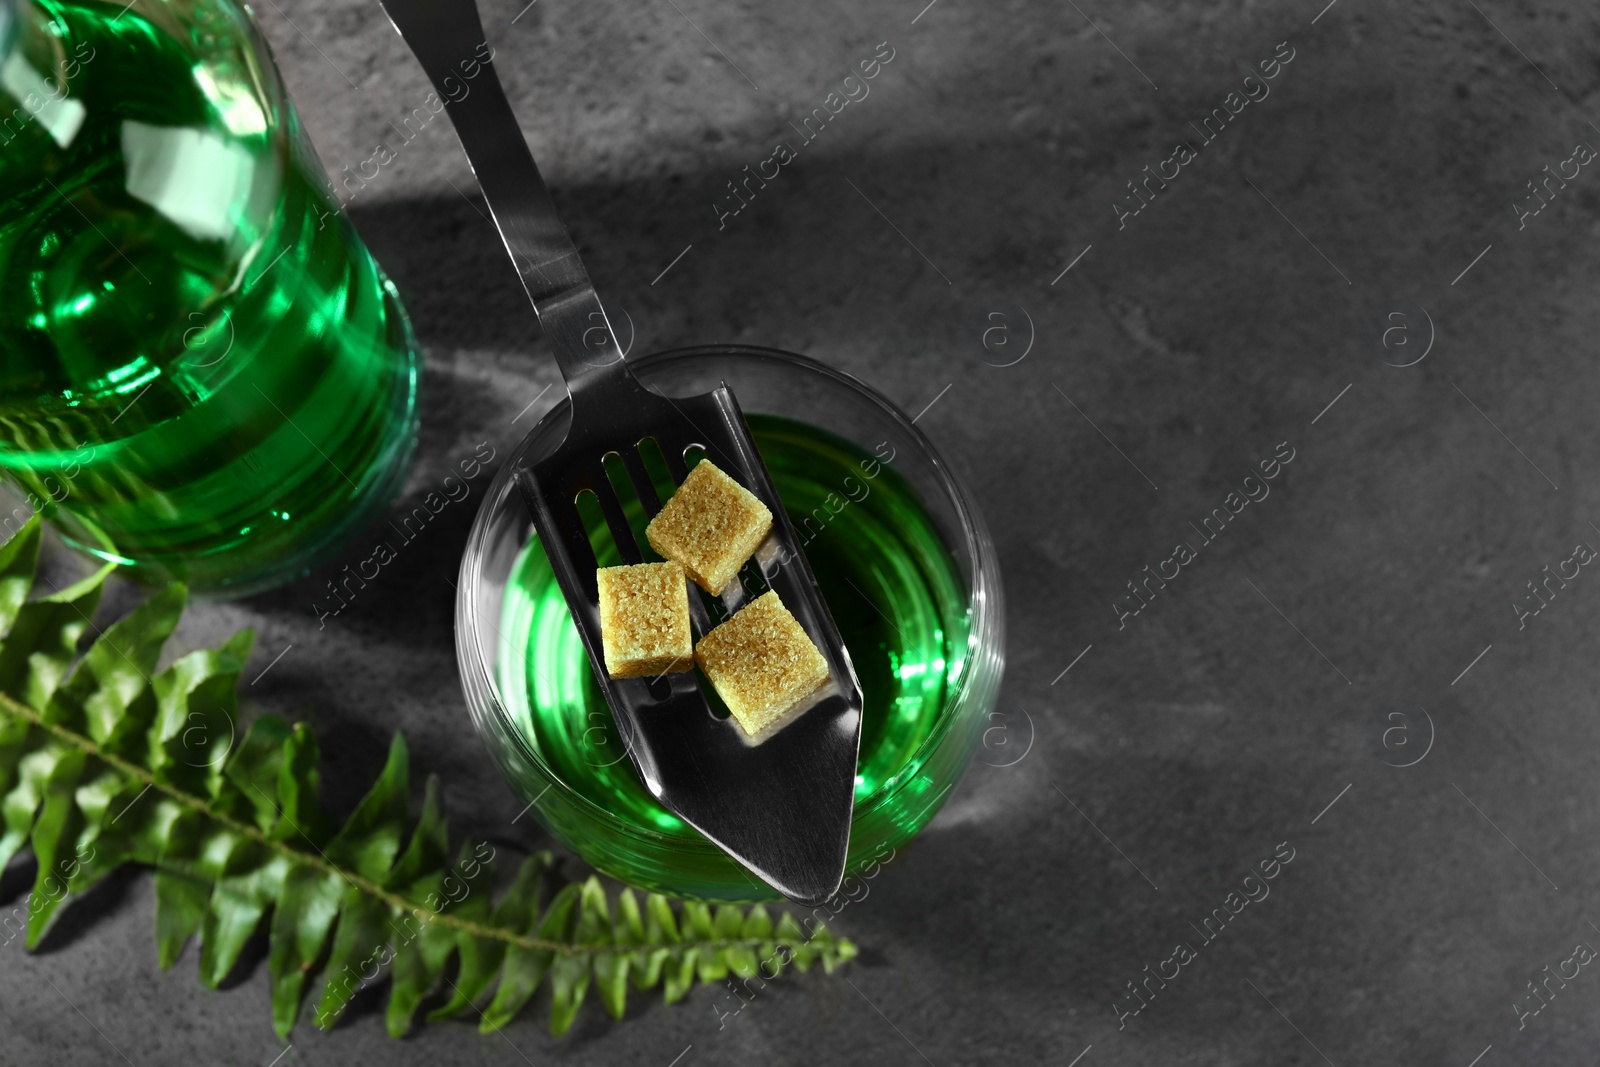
(711, 525)
(644, 620)
(761, 662)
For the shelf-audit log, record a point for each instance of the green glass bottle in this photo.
(203, 373)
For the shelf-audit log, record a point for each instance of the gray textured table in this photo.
(1358, 617)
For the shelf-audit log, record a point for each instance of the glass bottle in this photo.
(203, 374)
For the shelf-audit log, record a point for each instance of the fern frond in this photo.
(105, 762)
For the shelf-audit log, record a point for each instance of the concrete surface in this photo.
(1319, 642)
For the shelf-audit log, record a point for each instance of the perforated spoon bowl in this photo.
(782, 806)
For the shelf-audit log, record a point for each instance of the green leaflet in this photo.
(481, 956)
(105, 761)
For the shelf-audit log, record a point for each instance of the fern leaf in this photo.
(305, 914)
(481, 956)
(611, 968)
(526, 967)
(104, 761)
(181, 896)
(18, 558)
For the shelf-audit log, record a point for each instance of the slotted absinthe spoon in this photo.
(781, 806)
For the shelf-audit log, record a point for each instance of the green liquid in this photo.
(886, 574)
(201, 367)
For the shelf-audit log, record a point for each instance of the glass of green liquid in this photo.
(203, 374)
(901, 555)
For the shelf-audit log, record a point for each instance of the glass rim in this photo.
(985, 636)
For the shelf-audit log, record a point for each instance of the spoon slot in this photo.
(591, 526)
(654, 464)
(617, 520)
(639, 478)
(634, 509)
(692, 455)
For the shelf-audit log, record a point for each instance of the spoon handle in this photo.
(447, 38)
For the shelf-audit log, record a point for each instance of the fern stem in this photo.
(322, 863)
